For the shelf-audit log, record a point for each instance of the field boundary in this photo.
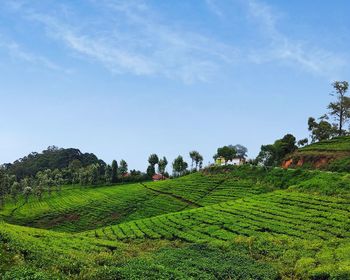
(189, 202)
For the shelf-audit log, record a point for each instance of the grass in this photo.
(79, 209)
(336, 144)
(223, 223)
(298, 215)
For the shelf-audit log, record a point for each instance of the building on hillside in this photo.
(158, 177)
(235, 161)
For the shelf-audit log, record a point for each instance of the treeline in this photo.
(51, 158)
(330, 125)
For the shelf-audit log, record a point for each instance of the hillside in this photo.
(222, 223)
(332, 155)
(51, 158)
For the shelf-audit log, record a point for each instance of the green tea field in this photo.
(221, 223)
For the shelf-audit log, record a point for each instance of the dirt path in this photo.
(189, 202)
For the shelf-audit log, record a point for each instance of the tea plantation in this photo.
(222, 223)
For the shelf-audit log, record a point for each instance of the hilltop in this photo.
(333, 154)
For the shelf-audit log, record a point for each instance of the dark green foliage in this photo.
(179, 166)
(114, 172)
(27, 273)
(322, 130)
(340, 165)
(340, 109)
(227, 152)
(51, 158)
(153, 160)
(197, 262)
(123, 168)
(273, 155)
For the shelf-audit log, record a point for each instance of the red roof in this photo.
(156, 177)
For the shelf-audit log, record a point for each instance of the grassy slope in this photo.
(335, 144)
(27, 253)
(333, 155)
(80, 209)
(265, 226)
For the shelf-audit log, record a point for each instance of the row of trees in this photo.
(179, 166)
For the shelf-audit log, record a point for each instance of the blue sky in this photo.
(124, 79)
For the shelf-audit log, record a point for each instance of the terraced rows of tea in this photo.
(79, 209)
(223, 223)
(292, 214)
(205, 190)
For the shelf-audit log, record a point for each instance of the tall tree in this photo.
(150, 171)
(241, 151)
(193, 155)
(340, 109)
(123, 167)
(179, 166)
(108, 174)
(162, 166)
(114, 171)
(153, 160)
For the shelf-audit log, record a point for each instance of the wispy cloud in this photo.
(134, 37)
(280, 47)
(140, 43)
(18, 52)
(212, 5)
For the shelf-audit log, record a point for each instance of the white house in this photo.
(235, 161)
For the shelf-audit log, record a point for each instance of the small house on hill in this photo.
(158, 177)
(235, 161)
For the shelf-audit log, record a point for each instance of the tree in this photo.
(340, 109)
(114, 171)
(193, 155)
(303, 142)
(196, 158)
(199, 161)
(108, 174)
(153, 159)
(321, 130)
(241, 151)
(4, 186)
(179, 166)
(27, 192)
(150, 171)
(38, 190)
(15, 190)
(273, 154)
(75, 164)
(123, 167)
(162, 165)
(227, 152)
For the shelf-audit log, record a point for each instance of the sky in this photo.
(123, 79)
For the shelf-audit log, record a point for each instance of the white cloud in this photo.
(132, 37)
(280, 47)
(140, 43)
